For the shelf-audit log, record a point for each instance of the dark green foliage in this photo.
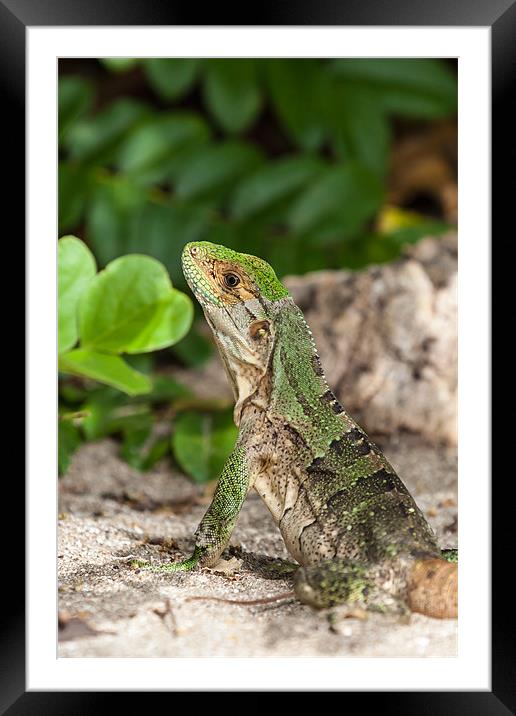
(261, 151)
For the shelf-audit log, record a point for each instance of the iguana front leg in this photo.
(215, 529)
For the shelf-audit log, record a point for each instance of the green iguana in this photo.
(344, 514)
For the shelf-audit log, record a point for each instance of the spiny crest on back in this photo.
(209, 270)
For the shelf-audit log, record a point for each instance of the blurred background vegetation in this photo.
(311, 164)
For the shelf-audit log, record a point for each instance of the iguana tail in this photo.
(433, 588)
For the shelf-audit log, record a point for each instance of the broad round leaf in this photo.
(108, 369)
(129, 307)
(202, 442)
(76, 268)
(171, 322)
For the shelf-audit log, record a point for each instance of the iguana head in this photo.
(224, 277)
(240, 296)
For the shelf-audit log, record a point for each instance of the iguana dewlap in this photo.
(344, 514)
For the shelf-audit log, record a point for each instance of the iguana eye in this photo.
(231, 280)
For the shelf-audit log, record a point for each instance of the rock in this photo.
(387, 337)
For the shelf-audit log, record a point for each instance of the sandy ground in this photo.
(110, 514)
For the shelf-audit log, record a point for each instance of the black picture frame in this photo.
(500, 16)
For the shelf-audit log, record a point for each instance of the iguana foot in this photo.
(347, 584)
(332, 582)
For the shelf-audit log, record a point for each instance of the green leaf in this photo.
(101, 408)
(112, 212)
(291, 254)
(298, 88)
(232, 93)
(272, 183)
(148, 151)
(405, 104)
(74, 184)
(181, 160)
(157, 450)
(162, 230)
(108, 369)
(165, 389)
(97, 139)
(171, 322)
(71, 394)
(75, 97)
(214, 171)
(202, 442)
(359, 126)
(131, 307)
(231, 234)
(68, 440)
(134, 441)
(425, 88)
(119, 64)
(171, 78)
(120, 220)
(139, 454)
(429, 75)
(411, 234)
(375, 249)
(76, 268)
(347, 195)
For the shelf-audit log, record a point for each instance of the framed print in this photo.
(347, 150)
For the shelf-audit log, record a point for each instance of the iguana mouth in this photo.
(195, 276)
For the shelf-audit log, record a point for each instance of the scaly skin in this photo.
(344, 514)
